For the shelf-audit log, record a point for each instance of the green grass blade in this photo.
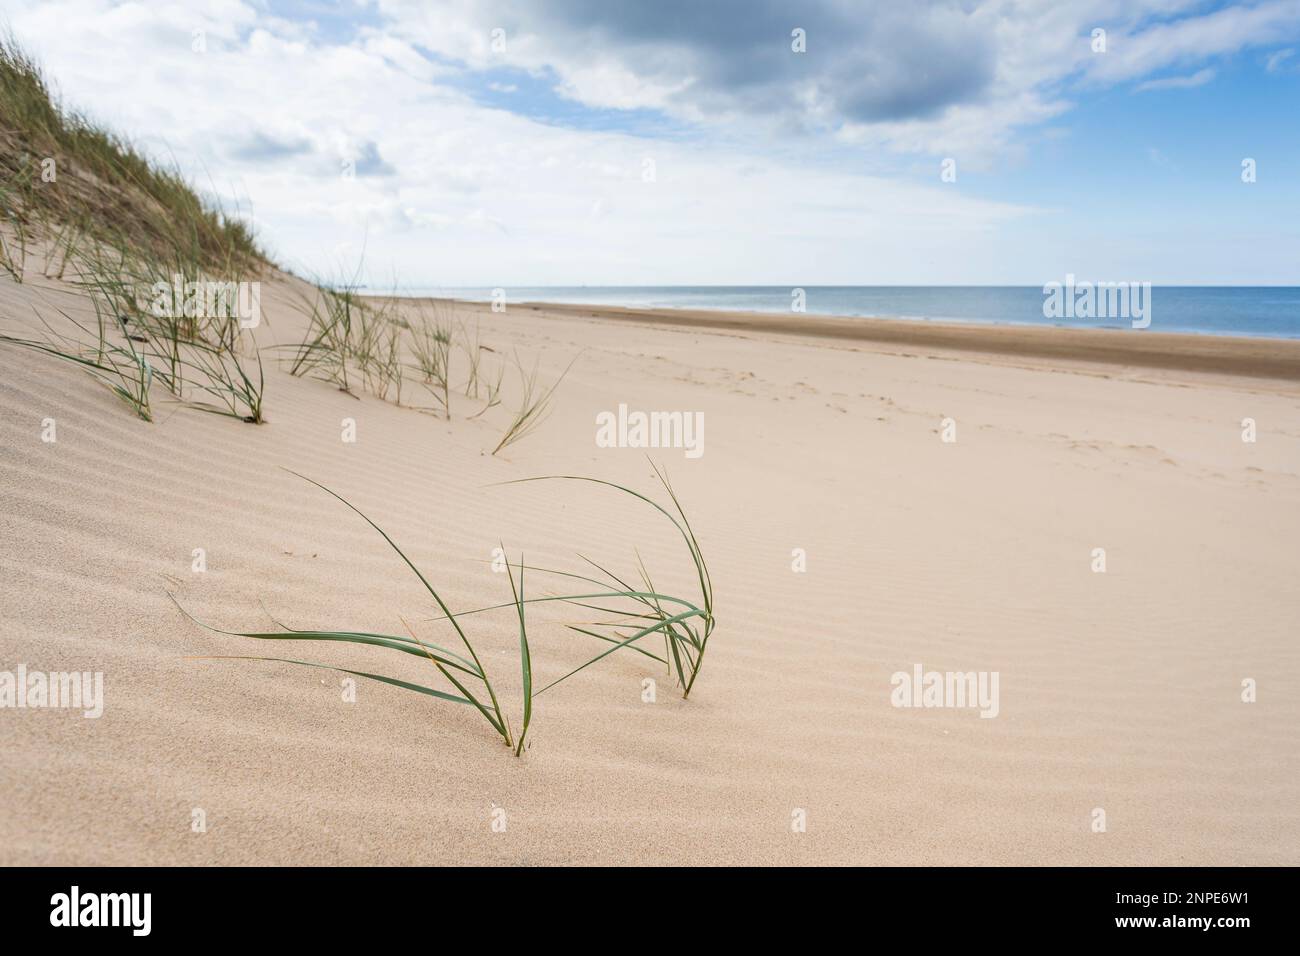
(390, 641)
(525, 657)
(499, 722)
(406, 685)
(635, 637)
(614, 640)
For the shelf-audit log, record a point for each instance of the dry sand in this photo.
(1119, 691)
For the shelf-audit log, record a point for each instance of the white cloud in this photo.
(937, 76)
(1280, 61)
(1140, 48)
(1191, 81)
(450, 192)
(475, 196)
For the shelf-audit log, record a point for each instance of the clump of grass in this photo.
(534, 404)
(195, 357)
(13, 254)
(474, 349)
(350, 341)
(64, 246)
(389, 364)
(324, 352)
(120, 367)
(15, 197)
(431, 346)
(349, 337)
(197, 348)
(227, 386)
(686, 628)
(491, 391)
(365, 347)
(480, 384)
(641, 611)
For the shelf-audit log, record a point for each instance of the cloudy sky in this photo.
(609, 142)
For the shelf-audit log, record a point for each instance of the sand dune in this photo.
(1119, 691)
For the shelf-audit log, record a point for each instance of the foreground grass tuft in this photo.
(639, 614)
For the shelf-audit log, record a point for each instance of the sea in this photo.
(1266, 311)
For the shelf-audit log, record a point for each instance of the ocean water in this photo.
(1271, 311)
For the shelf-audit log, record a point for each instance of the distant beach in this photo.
(1080, 344)
(1255, 311)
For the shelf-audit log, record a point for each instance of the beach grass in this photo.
(534, 404)
(685, 626)
(324, 351)
(113, 362)
(199, 358)
(57, 167)
(641, 611)
(122, 223)
(431, 348)
(351, 342)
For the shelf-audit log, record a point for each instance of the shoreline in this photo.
(1247, 356)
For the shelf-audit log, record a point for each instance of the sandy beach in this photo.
(1120, 691)
(1060, 346)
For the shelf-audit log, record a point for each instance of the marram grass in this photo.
(123, 222)
(120, 367)
(534, 404)
(112, 190)
(196, 359)
(638, 614)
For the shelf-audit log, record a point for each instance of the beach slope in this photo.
(1120, 691)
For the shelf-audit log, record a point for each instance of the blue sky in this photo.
(484, 142)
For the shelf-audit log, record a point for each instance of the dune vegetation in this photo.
(633, 616)
(173, 282)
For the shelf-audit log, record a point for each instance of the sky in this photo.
(455, 143)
